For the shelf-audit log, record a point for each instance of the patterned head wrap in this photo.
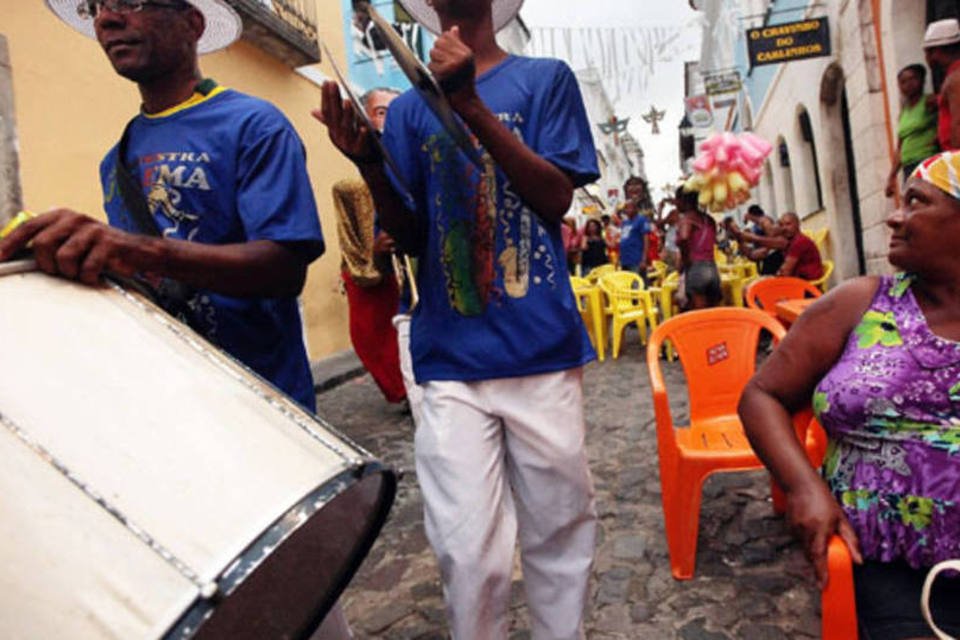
(942, 171)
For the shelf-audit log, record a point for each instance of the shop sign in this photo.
(699, 112)
(773, 44)
(722, 83)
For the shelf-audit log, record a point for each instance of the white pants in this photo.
(492, 455)
(401, 323)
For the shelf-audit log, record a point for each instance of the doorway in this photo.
(839, 166)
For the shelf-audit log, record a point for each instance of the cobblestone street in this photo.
(751, 580)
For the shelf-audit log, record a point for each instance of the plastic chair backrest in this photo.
(718, 351)
(621, 280)
(618, 285)
(595, 273)
(579, 283)
(765, 293)
(827, 270)
(819, 237)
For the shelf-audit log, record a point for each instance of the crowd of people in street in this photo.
(483, 335)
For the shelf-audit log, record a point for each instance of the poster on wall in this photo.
(369, 63)
(699, 111)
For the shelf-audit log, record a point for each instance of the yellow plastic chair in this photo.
(823, 281)
(664, 294)
(657, 272)
(627, 301)
(732, 285)
(590, 304)
(819, 237)
(594, 274)
(667, 306)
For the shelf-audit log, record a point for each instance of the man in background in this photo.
(941, 46)
(373, 293)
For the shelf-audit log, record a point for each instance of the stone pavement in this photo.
(751, 580)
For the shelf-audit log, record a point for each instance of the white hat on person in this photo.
(942, 33)
(223, 24)
(503, 12)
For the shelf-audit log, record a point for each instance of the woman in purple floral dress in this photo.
(880, 359)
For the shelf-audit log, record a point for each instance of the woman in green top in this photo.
(917, 128)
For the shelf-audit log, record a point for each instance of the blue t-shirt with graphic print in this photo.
(229, 169)
(632, 233)
(495, 299)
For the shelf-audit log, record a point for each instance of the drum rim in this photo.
(257, 552)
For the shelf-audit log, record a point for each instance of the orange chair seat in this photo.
(719, 437)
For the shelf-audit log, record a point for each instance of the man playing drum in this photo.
(497, 341)
(221, 218)
(226, 207)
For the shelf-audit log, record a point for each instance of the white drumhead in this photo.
(196, 456)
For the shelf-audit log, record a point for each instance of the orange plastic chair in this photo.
(718, 349)
(765, 293)
(838, 606)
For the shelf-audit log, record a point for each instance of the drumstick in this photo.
(411, 278)
(17, 266)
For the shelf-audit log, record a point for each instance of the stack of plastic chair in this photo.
(627, 301)
(765, 293)
(718, 349)
(822, 281)
(838, 606)
(590, 305)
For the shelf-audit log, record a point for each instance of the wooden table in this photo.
(790, 310)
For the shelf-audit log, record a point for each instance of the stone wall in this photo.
(10, 194)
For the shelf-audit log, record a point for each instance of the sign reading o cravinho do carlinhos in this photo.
(772, 44)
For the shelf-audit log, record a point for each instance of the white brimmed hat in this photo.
(503, 12)
(223, 25)
(942, 33)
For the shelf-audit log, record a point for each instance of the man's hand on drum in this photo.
(73, 245)
(347, 133)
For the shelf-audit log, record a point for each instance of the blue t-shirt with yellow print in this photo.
(220, 169)
(495, 299)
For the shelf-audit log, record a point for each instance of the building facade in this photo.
(832, 118)
(70, 108)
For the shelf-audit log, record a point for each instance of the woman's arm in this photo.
(784, 385)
